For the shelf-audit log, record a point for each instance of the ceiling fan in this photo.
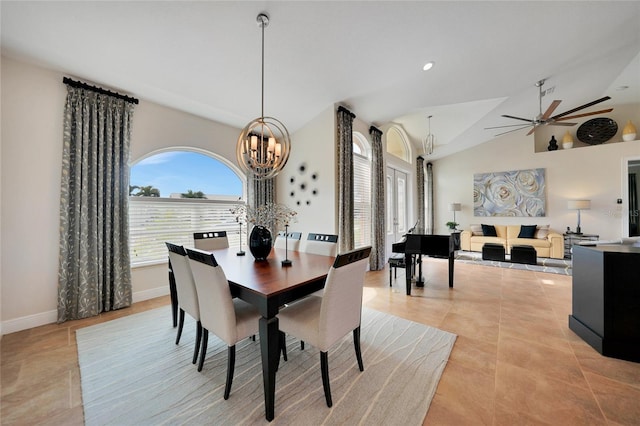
(547, 119)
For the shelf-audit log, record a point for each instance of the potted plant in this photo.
(452, 225)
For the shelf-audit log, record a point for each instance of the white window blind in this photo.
(152, 221)
(362, 200)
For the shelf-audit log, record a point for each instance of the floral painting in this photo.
(514, 193)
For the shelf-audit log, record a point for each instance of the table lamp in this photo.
(579, 205)
(455, 207)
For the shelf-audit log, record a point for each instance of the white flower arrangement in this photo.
(269, 215)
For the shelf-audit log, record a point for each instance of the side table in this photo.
(572, 239)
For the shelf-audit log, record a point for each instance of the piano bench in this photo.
(396, 261)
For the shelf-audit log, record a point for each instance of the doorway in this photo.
(631, 215)
(396, 206)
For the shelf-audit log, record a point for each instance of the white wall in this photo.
(32, 111)
(593, 172)
(31, 154)
(313, 146)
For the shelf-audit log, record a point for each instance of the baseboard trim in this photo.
(50, 317)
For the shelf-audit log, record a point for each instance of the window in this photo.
(397, 144)
(166, 204)
(361, 191)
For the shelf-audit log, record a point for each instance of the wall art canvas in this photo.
(514, 193)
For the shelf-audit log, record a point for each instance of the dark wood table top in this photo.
(269, 279)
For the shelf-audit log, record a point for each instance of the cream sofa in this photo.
(547, 243)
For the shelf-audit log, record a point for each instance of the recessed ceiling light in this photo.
(428, 66)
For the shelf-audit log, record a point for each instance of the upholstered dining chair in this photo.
(323, 321)
(230, 319)
(292, 241)
(186, 292)
(325, 244)
(213, 240)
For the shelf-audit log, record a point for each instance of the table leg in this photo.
(408, 259)
(451, 257)
(419, 281)
(269, 347)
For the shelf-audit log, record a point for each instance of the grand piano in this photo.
(417, 244)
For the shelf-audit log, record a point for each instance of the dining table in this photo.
(268, 285)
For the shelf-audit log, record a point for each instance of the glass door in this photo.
(396, 206)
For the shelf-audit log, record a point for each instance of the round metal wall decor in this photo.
(597, 130)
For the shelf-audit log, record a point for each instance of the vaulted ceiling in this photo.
(204, 57)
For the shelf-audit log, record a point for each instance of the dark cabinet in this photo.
(606, 299)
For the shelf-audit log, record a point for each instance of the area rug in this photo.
(133, 373)
(553, 266)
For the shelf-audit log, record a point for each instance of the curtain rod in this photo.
(375, 129)
(343, 109)
(86, 86)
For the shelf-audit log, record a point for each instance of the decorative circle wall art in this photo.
(597, 130)
(303, 185)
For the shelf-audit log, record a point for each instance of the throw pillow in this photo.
(542, 232)
(489, 231)
(476, 230)
(527, 231)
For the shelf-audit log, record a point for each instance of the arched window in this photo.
(397, 144)
(175, 193)
(361, 190)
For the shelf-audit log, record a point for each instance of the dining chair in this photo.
(292, 240)
(323, 321)
(187, 295)
(210, 240)
(230, 319)
(325, 244)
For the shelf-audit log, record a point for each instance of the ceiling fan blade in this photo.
(512, 130)
(508, 125)
(550, 110)
(571, 111)
(533, 129)
(518, 118)
(586, 114)
(554, 123)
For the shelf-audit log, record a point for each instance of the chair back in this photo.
(210, 240)
(341, 307)
(217, 313)
(325, 244)
(292, 240)
(185, 286)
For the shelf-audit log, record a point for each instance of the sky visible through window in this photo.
(180, 171)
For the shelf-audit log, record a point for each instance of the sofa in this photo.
(546, 242)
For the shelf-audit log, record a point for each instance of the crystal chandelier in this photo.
(429, 141)
(264, 144)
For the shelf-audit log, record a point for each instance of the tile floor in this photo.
(515, 360)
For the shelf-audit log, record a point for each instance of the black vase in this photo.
(260, 242)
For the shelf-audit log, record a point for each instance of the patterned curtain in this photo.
(420, 186)
(345, 178)
(378, 227)
(429, 205)
(94, 271)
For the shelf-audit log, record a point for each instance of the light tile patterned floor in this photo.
(515, 360)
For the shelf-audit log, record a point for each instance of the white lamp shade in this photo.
(455, 207)
(579, 204)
